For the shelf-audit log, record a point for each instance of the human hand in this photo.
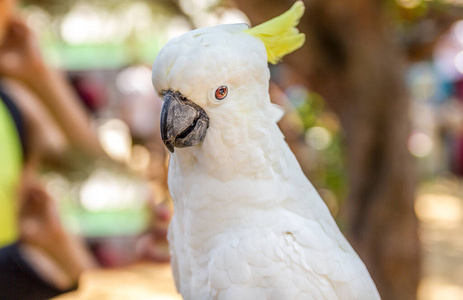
(39, 221)
(20, 56)
(40, 227)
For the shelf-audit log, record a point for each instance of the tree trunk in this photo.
(352, 59)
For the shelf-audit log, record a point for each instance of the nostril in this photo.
(180, 96)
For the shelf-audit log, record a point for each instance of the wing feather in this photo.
(301, 262)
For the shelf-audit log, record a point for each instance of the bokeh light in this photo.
(134, 80)
(459, 61)
(105, 190)
(115, 139)
(437, 288)
(87, 24)
(318, 137)
(439, 208)
(409, 3)
(457, 29)
(420, 144)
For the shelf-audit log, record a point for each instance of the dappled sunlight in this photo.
(439, 208)
(436, 288)
(141, 282)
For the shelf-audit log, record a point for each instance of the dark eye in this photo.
(221, 92)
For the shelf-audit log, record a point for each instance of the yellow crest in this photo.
(280, 35)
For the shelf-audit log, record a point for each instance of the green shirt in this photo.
(10, 173)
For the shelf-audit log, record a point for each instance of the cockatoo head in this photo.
(204, 74)
(217, 77)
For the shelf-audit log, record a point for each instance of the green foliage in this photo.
(310, 109)
(328, 171)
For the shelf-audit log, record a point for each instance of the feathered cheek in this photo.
(214, 144)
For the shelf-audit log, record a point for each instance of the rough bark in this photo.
(355, 63)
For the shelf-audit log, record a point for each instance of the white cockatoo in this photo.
(247, 223)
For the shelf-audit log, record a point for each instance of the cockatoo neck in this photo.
(236, 146)
(243, 162)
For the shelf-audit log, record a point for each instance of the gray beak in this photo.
(183, 123)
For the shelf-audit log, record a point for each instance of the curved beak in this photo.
(183, 123)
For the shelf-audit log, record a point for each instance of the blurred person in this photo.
(41, 119)
(38, 258)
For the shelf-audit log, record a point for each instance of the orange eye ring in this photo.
(221, 92)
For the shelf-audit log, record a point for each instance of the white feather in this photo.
(247, 224)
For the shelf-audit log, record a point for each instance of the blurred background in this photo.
(374, 114)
